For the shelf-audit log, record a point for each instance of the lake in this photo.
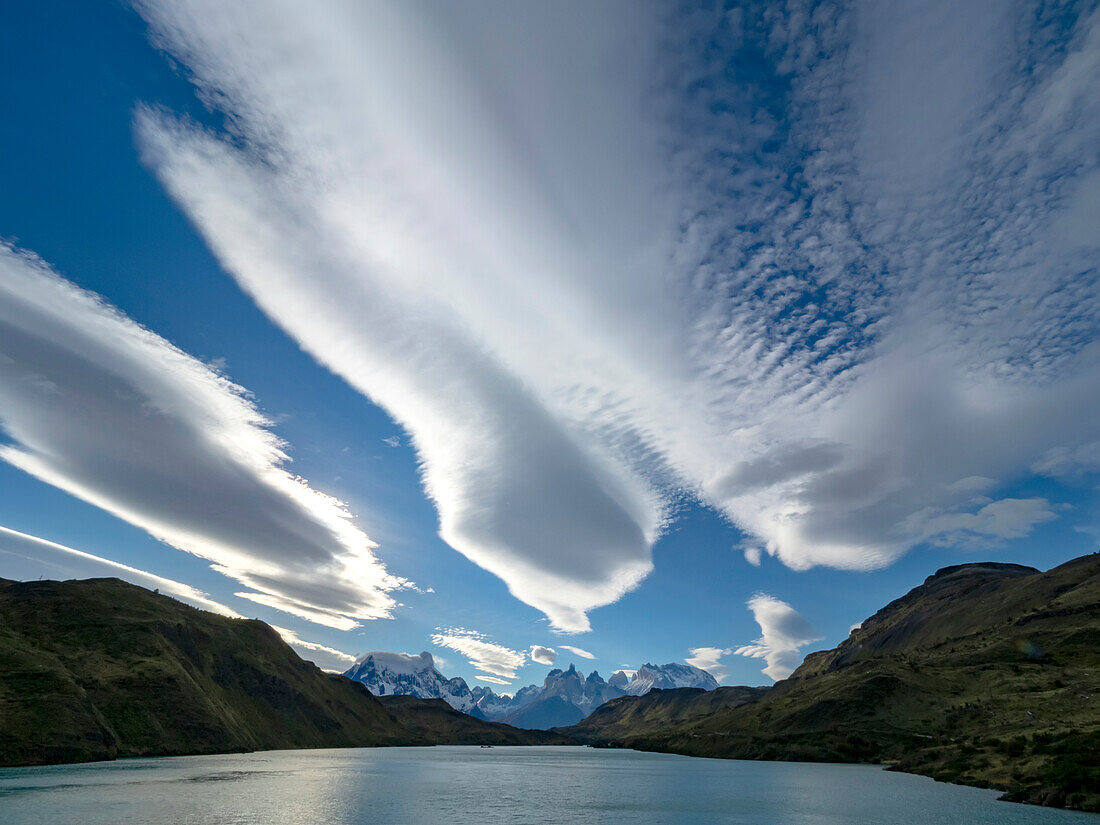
(475, 786)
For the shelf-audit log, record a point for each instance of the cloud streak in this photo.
(26, 557)
(578, 651)
(488, 657)
(109, 412)
(589, 273)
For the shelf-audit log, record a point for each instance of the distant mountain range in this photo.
(565, 697)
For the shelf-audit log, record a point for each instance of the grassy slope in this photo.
(99, 669)
(987, 675)
(437, 721)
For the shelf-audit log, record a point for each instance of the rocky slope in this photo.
(987, 674)
(399, 674)
(99, 669)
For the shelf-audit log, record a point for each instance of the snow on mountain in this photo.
(404, 674)
(665, 677)
(565, 696)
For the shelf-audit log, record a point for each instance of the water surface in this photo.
(482, 786)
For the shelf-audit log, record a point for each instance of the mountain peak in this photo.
(406, 674)
(995, 568)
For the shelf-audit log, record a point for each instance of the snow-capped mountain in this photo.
(666, 677)
(386, 674)
(564, 698)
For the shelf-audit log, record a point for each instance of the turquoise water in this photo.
(478, 786)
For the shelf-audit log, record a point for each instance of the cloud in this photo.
(801, 263)
(26, 557)
(1008, 518)
(486, 656)
(326, 658)
(578, 651)
(543, 655)
(493, 680)
(707, 658)
(109, 412)
(783, 634)
(392, 441)
(753, 554)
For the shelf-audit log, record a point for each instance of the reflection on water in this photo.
(478, 786)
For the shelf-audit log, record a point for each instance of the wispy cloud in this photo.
(24, 556)
(486, 656)
(109, 412)
(814, 265)
(578, 651)
(543, 655)
(709, 659)
(492, 680)
(325, 657)
(28, 557)
(783, 634)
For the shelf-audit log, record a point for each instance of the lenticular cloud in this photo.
(111, 413)
(590, 272)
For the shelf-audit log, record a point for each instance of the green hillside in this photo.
(986, 674)
(99, 669)
(436, 721)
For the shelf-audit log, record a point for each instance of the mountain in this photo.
(390, 674)
(564, 698)
(666, 677)
(660, 709)
(986, 674)
(99, 669)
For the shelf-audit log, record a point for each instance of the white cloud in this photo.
(753, 554)
(26, 557)
(583, 290)
(493, 680)
(543, 655)
(578, 651)
(708, 659)
(326, 658)
(111, 413)
(783, 634)
(1006, 519)
(486, 656)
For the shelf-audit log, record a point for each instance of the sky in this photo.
(528, 334)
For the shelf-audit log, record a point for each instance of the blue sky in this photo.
(601, 320)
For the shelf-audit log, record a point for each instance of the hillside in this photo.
(435, 721)
(986, 674)
(99, 669)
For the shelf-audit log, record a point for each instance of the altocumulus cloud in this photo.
(109, 412)
(586, 271)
